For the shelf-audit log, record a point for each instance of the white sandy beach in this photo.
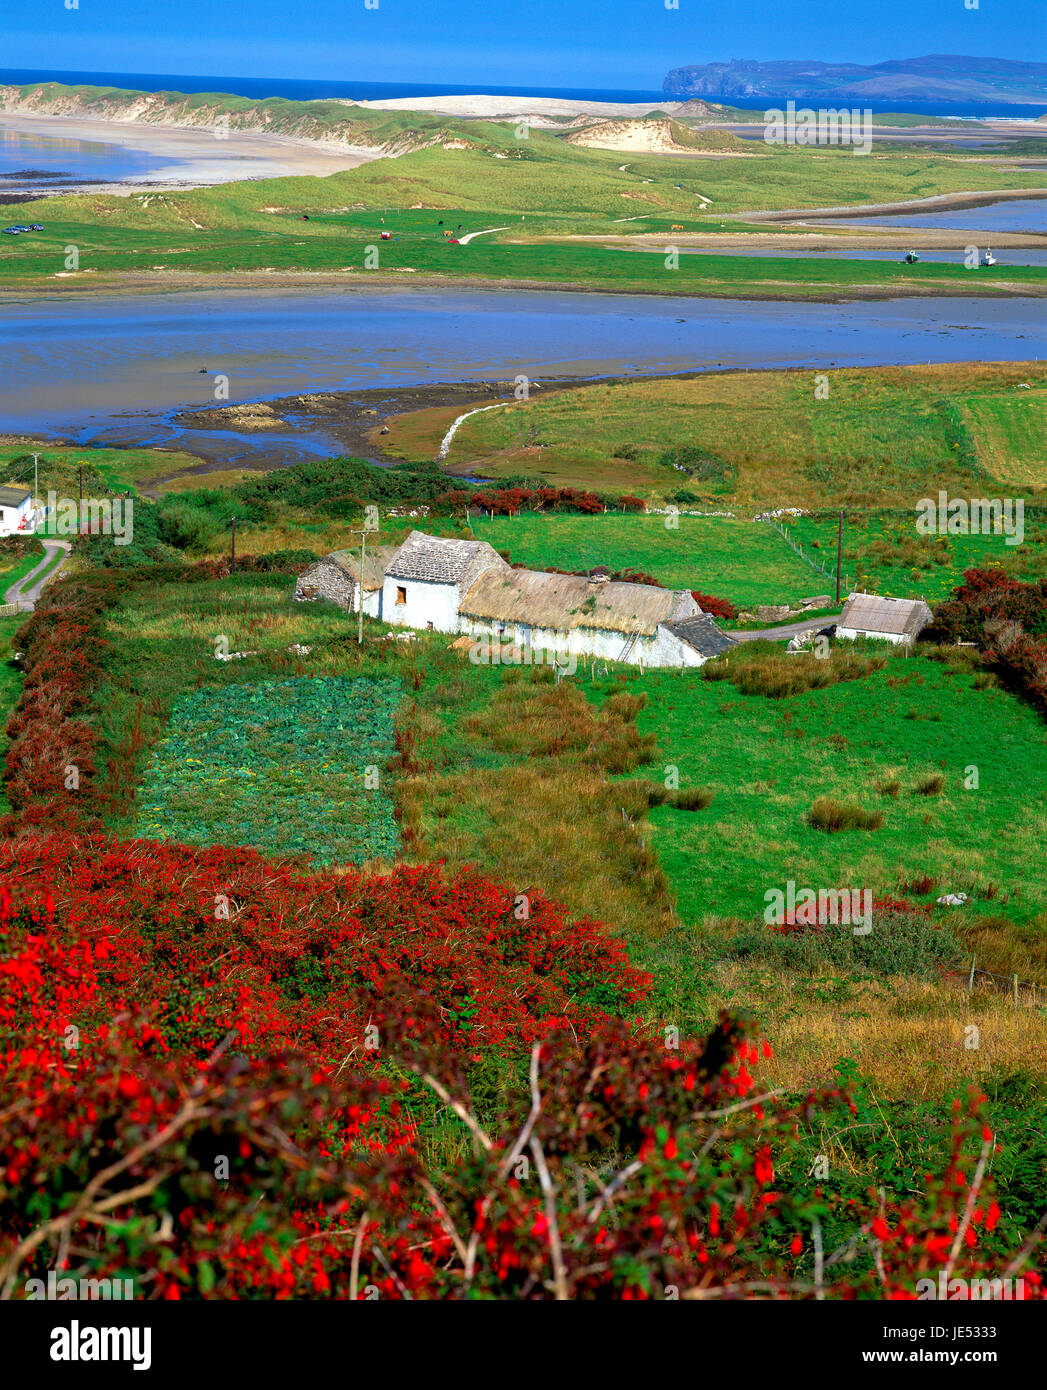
(203, 157)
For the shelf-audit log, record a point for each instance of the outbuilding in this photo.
(897, 620)
(427, 578)
(336, 578)
(16, 510)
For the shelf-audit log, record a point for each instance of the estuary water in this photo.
(108, 368)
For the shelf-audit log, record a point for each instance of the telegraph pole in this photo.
(839, 553)
(364, 528)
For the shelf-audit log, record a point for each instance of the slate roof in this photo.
(895, 617)
(563, 602)
(702, 635)
(14, 496)
(443, 561)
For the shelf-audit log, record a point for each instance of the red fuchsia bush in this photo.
(231, 941)
(821, 913)
(507, 501)
(989, 596)
(1008, 620)
(177, 1112)
(718, 607)
(622, 1168)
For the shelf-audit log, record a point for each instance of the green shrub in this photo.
(900, 943)
(931, 785)
(830, 813)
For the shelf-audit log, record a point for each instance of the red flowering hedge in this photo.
(192, 1101)
(231, 941)
(507, 501)
(718, 607)
(1008, 620)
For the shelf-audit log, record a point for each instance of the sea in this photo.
(300, 89)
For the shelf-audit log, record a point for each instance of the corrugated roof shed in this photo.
(14, 496)
(894, 617)
(562, 602)
(443, 561)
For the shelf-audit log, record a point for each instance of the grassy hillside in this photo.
(746, 562)
(331, 121)
(882, 436)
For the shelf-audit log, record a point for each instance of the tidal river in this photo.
(109, 368)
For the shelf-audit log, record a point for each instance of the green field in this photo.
(767, 760)
(881, 437)
(111, 469)
(349, 245)
(886, 555)
(289, 767)
(744, 561)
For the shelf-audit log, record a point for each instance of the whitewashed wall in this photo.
(895, 638)
(661, 649)
(427, 602)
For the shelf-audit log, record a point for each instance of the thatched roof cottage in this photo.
(460, 586)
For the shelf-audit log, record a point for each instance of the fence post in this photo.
(1016, 991)
(970, 982)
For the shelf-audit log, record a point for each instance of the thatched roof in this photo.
(702, 635)
(894, 617)
(348, 561)
(443, 561)
(562, 602)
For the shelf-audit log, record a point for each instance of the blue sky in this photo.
(555, 43)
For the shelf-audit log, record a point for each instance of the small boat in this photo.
(911, 258)
(988, 258)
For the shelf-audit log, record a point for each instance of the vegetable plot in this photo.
(288, 767)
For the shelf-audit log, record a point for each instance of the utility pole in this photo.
(80, 502)
(839, 554)
(232, 548)
(364, 528)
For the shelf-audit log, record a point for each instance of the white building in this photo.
(897, 620)
(16, 510)
(427, 578)
(460, 586)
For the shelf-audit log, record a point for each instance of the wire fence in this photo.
(846, 583)
(1013, 985)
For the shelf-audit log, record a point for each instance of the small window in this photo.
(401, 595)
